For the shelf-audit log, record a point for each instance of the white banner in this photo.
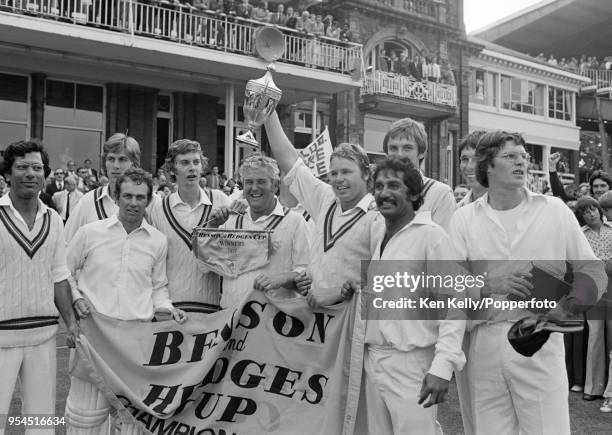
(317, 154)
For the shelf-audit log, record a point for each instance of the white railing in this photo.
(600, 78)
(383, 83)
(188, 25)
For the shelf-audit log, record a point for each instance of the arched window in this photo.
(386, 56)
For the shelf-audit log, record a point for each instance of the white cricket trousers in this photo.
(513, 394)
(34, 366)
(393, 381)
(87, 411)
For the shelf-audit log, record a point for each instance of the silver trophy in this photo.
(261, 96)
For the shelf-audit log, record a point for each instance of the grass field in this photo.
(586, 419)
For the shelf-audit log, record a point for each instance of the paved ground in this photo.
(586, 419)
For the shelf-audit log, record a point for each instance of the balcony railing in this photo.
(433, 9)
(599, 78)
(383, 83)
(187, 25)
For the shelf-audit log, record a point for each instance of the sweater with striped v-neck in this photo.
(187, 283)
(342, 239)
(31, 262)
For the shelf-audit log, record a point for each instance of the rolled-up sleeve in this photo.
(311, 192)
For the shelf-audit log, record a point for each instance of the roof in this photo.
(564, 28)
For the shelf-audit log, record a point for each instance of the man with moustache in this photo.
(408, 362)
(511, 393)
(33, 285)
(176, 216)
(289, 252)
(121, 258)
(120, 152)
(408, 138)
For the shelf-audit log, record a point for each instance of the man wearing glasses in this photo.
(58, 184)
(510, 393)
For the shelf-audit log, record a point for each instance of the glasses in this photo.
(59, 173)
(22, 167)
(513, 157)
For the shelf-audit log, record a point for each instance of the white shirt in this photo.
(439, 200)
(289, 250)
(349, 236)
(419, 241)
(186, 282)
(90, 210)
(61, 198)
(123, 275)
(546, 231)
(31, 262)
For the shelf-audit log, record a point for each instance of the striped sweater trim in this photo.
(29, 322)
(29, 246)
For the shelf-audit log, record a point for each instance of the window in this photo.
(522, 95)
(559, 104)
(483, 88)
(74, 122)
(13, 108)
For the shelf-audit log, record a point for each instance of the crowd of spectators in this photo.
(418, 67)
(575, 64)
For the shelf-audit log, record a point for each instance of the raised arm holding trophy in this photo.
(261, 96)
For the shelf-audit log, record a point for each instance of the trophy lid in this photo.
(269, 43)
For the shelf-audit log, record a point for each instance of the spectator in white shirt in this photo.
(66, 200)
(408, 138)
(176, 216)
(120, 263)
(289, 255)
(120, 152)
(343, 211)
(33, 285)
(407, 361)
(511, 393)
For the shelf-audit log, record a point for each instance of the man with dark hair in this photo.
(600, 182)
(408, 138)
(511, 393)
(121, 258)
(176, 216)
(467, 167)
(33, 283)
(408, 362)
(58, 183)
(119, 153)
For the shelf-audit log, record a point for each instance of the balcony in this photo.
(388, 93)
(601, 80)
(165, 35)
(431, 10)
